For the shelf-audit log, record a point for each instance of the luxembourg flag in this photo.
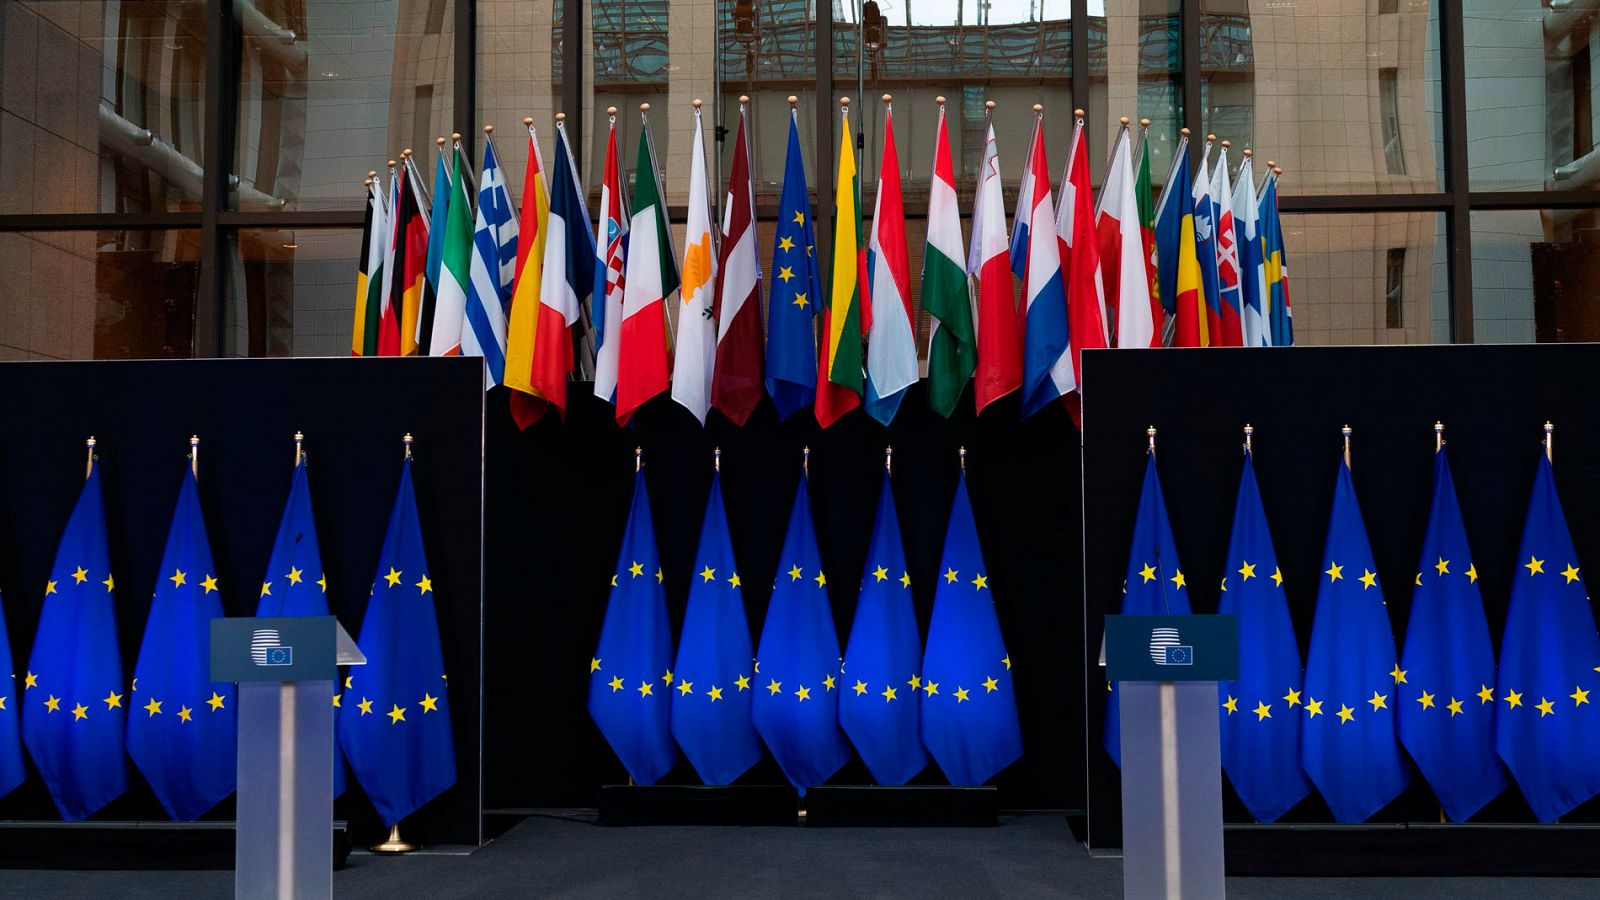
(891, 344)
(1047, 372)
(1123, 245)
(1088, 287)
(1227, 253)
(493, 268)
(611, 252)
(1252, 263)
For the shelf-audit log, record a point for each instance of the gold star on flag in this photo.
(980, 582)
(613, 581)
(1313, 708)
(880, 573)
(338, 701)
(804, 693)
(30, 681)
(322, 582)
(950, 576)
(1443, 566)
(393, 577)
(1426, 700)
(1346, 714)
(53, 703)
(775, 687)
(1534, 565)
(208, 583)
(1334, 572)
(708, 574)
(1368, 579)
(888, 694)
(1472, 574)
(742, 682)
(931, 687)
(715, 693)
(795, 573)
(1416, 581)
(784, 243)
(1178, 579)
(425, 585)
(784, 274)
(1579, 696)
(396, 714)
(184, 713)
(828, 683)
(645, 689)
(178, 578)
(905, 579)
(594, 665)
(266, 588)
(1513, 700)
(990, 685)
(1485, 694)
(636, 569)
(615, 683)
(961, 694)
(1262, 711)
(1007, 660)
(80, 712)
(734, 581)
(861, 688)
(49, 588)
(112, 700)
(915, 681)
(1571, 573)
(1398, 674)
(1231, 704)
(799, 299)
(659, 577)
(365, 706)
(216, 701)
(1277, 577)
(799, 218)
(110, 583)
(667, 677)
(135, 686)
(81, 575)
(153, 707)
(821, 579)
(1379, 701)
(1247, 570)
(294, 575)
(1224, 584)
(1292, 698)
(1454, 706)
(1545, 707)
(1148, 573)
(685, 688)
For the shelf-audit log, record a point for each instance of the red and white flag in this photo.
(999, 369)
(736, 382)
(1087, 287)
(1122, 248)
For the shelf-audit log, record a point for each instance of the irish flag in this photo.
(839, 378)
(952, 343)
(651, 276)
(891, 343)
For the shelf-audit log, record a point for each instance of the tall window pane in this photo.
(1135, 70)
(520, 53)
(1367, 278)
(291, 292)
(1535, 276)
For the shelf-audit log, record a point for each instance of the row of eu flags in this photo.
(80, 718)
(719, 697)
(1347, 720)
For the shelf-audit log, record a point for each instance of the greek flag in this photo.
(494, 265)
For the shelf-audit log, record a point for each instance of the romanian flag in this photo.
(1181, 291)
(522, 330)
(839, 378)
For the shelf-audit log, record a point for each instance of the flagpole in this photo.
(1549, 441)
(716, 459)
(1248, 431)
(888, 460)
(1150, 434)
(1346, 432)
(805, 462)
(299, 447)
(194, 455)
(962, 453)
(1438, 436)
(89, 467)
(638, 458)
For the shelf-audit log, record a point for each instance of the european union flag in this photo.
(969, 703)
(795, 292)
(1353, 674)
(73, 716)
(630, 674)
(1446, 717)
(12, 771)
(1154, 584)
(711, 698)
(397, 736)
(796, 705)
(1261, 710)
(1549, 651)
(183, 735)
(880, 707)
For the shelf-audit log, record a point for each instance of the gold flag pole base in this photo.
(394, 844)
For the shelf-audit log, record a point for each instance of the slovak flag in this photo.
(611, 251)
(1047, 371)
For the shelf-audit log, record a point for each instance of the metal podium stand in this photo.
(287, 670)
(1167, 669)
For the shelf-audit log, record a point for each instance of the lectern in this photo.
(287, 670)
(1167, 669)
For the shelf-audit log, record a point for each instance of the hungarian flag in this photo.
(891, 340)
(522, 329)
(652, 276)
(999, 370)
(737, 374)
(455, 265)
(1122, 243)
(1146, 199)
(839, 378)
(1232, 333)
(1047, 371)
(952, 343)
(568, 274)
(369, 274)
(611, 250)
(697, 330)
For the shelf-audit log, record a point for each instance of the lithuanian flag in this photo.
(839, 375)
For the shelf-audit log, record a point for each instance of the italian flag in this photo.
(650, 277)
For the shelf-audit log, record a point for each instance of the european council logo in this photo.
(1166, 648)
(266, 648)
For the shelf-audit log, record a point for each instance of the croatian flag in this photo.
(1046, 346)
(1232, 333)
(611, 250)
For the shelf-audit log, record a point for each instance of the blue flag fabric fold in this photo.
(630, 673)
(1446, 714)
(1153, 586)
(1261, 710)
(1550, 652)
(183, 735)
(74, 713)
(969, 701)
(792, 302)
(711, 698)
(12, 771)
(397, 736)
(880, 705)
(1353, 674)
(796, 706)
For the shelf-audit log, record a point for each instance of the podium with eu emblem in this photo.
(1167, 669)
(286, 669)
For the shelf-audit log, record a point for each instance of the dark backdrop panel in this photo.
(353, 413)
(558, 499)
(1493, 402)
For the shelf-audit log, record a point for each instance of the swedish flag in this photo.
(1261, 710)
(630, 673)
(73, 714)
(397, 736)
(969, 703)
(796, 706)
(183, 735)
(1550, 652)
(1446, 715)
(880, 707)
(1353, 674)
(711, 696)
(12, 771)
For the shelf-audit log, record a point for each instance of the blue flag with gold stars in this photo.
(1446, 714)
(1261, 710)
(73, 715)
(182, 734)
(796, 706)
(1348, 745)
(880, 707)
(1550, 652)
(397, 736)
(12, 772)
(1154, 584)
(969, 703)
(630, 674)
(711, 697)
(287, 588)
(795, 292)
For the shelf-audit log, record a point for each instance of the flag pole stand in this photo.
(395, 844)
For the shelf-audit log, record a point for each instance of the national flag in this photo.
(630, 674)
(969, 701)
(1089, 290)
(73, 713)
(12, 771)
(1146, 198)
(848, 315)
(527, 310)
(946, 292)
(1446, 708)
(397, 328)
(568, 274)
(1181, 290)
(696, 356)
(1275, 266)
(1261, 709)
(796, 290)
(712, 690)
(736, 374)
(450, 309)
(796, 677)
(403, 755)
(1252, 273)
(369, 267)
(1047, 372)
(1228, 273)
(391, 263)
(183, 735)
(891, 335)
(1122, 248)
(880, 704)
(652, 276)
(1550, 651)
(997, 330)
(1205, 250)
(611, 252)
(1023, 214)
(1153, 585)
(493, 267)
(1349, 748)
(438, 226)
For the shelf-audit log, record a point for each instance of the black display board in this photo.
(1493, 401)
(353, 413)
